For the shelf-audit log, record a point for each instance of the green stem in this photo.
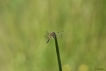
(57, 51)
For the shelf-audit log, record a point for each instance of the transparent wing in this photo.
(59, 34)
(47, 35)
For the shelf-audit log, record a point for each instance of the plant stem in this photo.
(57, 51)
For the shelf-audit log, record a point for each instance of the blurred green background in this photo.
(23, 25)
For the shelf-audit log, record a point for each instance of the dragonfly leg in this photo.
(48, 40)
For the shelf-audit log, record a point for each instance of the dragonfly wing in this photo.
(47, 35)
(47, 32)
(59, 34)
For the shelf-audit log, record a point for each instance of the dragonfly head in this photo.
(53, 34)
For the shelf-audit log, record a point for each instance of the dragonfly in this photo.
(50, 35)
